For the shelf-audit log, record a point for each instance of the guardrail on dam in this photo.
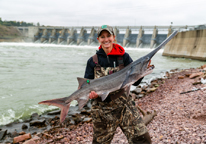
(127, 36)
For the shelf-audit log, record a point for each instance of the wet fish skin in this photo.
(122, 79)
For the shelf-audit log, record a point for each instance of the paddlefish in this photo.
(122, 79)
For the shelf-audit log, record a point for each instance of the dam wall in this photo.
(188, 44)
(127, 36)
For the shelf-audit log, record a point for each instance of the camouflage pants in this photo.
(107, 116)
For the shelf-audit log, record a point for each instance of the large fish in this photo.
(122, 79)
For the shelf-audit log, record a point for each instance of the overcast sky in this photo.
(99, 12)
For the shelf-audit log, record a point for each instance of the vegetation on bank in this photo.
(15, 23)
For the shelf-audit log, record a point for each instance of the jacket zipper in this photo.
(108, 60)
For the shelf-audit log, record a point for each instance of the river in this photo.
(30, 73)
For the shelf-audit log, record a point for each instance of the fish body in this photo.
(122, 79)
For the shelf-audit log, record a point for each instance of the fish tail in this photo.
(59, 103)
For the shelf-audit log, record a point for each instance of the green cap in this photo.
(105, 27)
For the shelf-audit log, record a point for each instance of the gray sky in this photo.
(99, 12)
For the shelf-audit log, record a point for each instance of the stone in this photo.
(54, 112)
(22, 138)
(22, 133)
(181, 77)
(198, 82)
(40, 122)
(87, 119)
(151, 89)
(187, 75)
(8, 140)
(31, 141)
(3, 134)
(24, 126)
(60, 137)
(203, 66)
(194, 75)
(144, 87)
(14, 134)
(137, 90)
(140, 96)
(34, 116)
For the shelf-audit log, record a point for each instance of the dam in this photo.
(127, 36)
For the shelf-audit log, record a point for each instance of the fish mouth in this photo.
(149, 70)
(151, 67)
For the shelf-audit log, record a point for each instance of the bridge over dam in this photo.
(127, 36)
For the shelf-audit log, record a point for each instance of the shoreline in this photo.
(46, 126)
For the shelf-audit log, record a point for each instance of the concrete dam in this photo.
(127, 36)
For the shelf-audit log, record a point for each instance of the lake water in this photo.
(30, 73)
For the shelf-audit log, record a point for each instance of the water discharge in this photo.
(31, 73)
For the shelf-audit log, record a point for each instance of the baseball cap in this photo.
(105, 27)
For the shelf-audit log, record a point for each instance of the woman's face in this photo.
(106, 40)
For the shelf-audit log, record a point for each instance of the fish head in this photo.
(141, 67)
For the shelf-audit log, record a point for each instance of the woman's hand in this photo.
(93, 95)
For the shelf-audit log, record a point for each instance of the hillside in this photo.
(10, 34)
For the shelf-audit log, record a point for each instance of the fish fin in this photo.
(59, 103)
(104, 95)
(127, 90)
(82, 102)
(81, 82)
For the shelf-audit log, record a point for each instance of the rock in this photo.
(137, 90)
(203, 66)
(151, 89)
(144, 87)
(3, 134)
(54, 112)
(72, 122)
(8, 140)
(31, 141)
(40, 122)
(194, 75)
(156, 85)
(87, 119)
(22, 133)
(60, 137)
(73, 110)
(24, 126)
(22, 138)
(203, 81)
(34, 116)
(181, 77)
(140, 96)
(187, 75)
(88, 105)
(167, 74)
(85, 112)
(14, 134)
(198, 82)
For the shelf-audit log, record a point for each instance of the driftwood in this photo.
(147, 116)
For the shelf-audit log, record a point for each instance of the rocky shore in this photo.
(179, 99)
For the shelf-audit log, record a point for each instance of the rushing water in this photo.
(30, 73)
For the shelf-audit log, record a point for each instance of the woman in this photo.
(117, 109)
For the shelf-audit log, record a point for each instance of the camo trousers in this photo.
(107, 116)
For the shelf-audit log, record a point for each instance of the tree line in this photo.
(15, 23)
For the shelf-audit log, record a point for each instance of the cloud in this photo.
(112, 12)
